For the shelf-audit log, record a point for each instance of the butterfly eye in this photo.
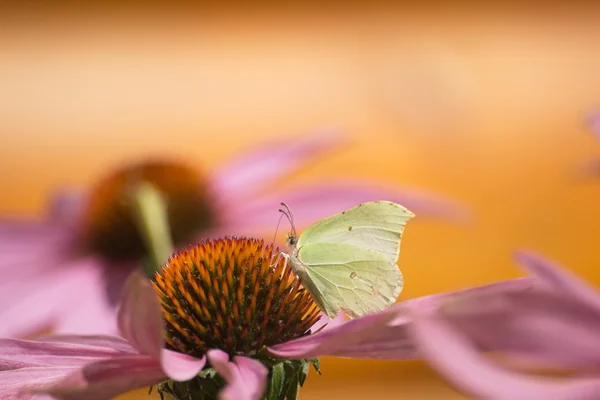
(291, 239)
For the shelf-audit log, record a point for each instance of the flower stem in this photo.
(153, 223)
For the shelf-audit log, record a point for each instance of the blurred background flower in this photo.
(501, 92)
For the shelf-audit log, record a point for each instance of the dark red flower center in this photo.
(109, 227)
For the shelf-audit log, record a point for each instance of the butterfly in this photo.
(348, 261)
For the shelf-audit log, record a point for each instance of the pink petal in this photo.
(27, 248)
(371, 336)
(21, 263)
(15, 384)
(35, 304)
(29, 229)
(44, 365)
(140, 316)
(556, 278)
(106, 379)
(380, 336)
(325, 323)
(91, 313)
(15, 353)
(111, 342)
(245, 377)
(450, 353)
(531, 325)
(181, 367)
(312, 203)
(259, 167)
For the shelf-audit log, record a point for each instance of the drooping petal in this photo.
(245, 377)
(180, 367)
(250, 172)
(100, 341)
(91, 312)
(106, 379)
(140, 317)
(312, 203)
(20, 384)
(16, 353)
(53, 362)
(35, 304)
(34, 248)
(371, 336)
(325, 323)
(383, 335)
(459, 361)
(558, 279)
(30, 229)
(530, 325)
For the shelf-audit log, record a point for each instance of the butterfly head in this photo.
(291, 240)
(292, 237)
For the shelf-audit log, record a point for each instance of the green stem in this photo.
(153, 223)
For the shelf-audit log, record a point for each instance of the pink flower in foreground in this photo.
(66, 273)
(555, 325)
(229, 318)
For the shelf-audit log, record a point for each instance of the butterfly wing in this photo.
(376, 226)
(344, 276)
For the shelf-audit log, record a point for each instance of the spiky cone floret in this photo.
(238, 295)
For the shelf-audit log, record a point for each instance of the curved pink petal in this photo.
(531, 325)
(26, 263)
(91, 312)
(325, 323)
(250, 172)
(99, 341)
(106, 379)
(30, 248)
(371, 336)
(557, 278)
(35, 304)
(32, 253)
(180, 367)
(383, 335)
(29, 229)
(457, 360)
(245, 377)
(315, 202)
(140, 316)
(21, 384)
(15, 352)
(53, 364)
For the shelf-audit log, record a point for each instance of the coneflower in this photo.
(222, 319)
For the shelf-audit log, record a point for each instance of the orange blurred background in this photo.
(486, 104)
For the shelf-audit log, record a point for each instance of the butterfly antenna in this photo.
(276, 230)
(288, 213)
